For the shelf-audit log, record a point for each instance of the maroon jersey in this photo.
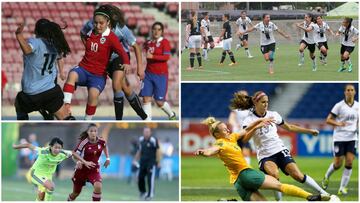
(91, 151)
(98, 52)
(160, 49)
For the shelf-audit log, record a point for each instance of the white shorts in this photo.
(227, 44)
(195, 41)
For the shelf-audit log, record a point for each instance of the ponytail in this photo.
(212, 124)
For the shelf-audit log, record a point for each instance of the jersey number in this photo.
(49, 62)
(94, 47)
(286, 153)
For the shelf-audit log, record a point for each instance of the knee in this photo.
(159, 103)
(97, 187)
(75, 194)
(337, 164)
(274, 174)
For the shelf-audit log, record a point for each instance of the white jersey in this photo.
(309, 36)
(240, 116)
(267, 33)
(206, 25)
(243, 23)
(266, 139)
(320, 32)
(349, 114)
(346, 36)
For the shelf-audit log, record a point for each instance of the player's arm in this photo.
(300, 25)
(298, 129)
(187, 32)
(222, 34)
(211, 151)
(248, 132)
(331, 121)
(25, 47)
(282, 33)
(24, 145)
(232, 119)
(88, 164)
(119, 49)
(139, 63)
(356, 37)
(158, 157)
(60, 65)
(165, 56)
(331, 31)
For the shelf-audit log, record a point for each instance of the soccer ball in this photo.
(334, 198)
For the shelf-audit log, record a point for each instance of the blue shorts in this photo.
(87, 79)
(281, 159)
(154, 85)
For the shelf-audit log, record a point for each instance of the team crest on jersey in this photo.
(102, 40)
(99, 146)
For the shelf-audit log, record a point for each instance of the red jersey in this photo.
(160, 50)
(98, 52)
(90, 151)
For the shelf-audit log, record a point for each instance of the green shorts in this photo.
(39, 179)
(248, 181)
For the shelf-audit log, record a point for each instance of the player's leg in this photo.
(350, 149)
(21, 106)
(147, 92)
(238, 46)
(115, 70)
(223, 56)
(79, 180)
(133, 99)
(96, 196)
(77, 188)
(192, 52)
(302, 47)
(204, 50)
(151, 182)
(271, 58)
(141, 181)
(93, 95)
(311, 48)
(246, 46)
(347, 59)
(76, 75)
(198, 55)
(160, 90)
(270, 168)
(50, 187)
(343, 58)
(231, 54)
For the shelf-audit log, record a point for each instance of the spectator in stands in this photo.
(194, 31)
(114, 69)
(39, 90)
(156, 74)
(33, 140)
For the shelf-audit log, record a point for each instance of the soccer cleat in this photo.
(350, 68)
(318, 197)
(271, 71)
(250, 57)
(341, 69)
(189, 68)
(200, 67)
(221, 64)
(232, 64)
(325, 183)
(300, 64)
(142, 196)
(314, 68)
(173, 117)
(343, 191)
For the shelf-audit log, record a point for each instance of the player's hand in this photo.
(126, 68)
(89, 164)
(62, 76)
(298, 25)
(149, 55)
(20, 28)
(314, 132)
(78, 165)
(107, 163)
(141, 74)
(354, 39)
(158, 164)
(287, 36)
(343, 124)
(199, 152)
(136, 164)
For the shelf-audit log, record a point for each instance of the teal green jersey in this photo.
(46, 162)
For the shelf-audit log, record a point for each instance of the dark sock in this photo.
(223, 57)
(232, 58)
(46, 115)
(119, 105)
(198, 55)
(192, 59)
(246, 48)
(136, 105)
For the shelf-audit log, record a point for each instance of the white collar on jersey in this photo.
(159, 40)
(104, 34)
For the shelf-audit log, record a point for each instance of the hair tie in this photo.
(257, 98)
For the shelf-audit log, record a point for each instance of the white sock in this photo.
(248, 160)
(311, 182)
(205, 53)
(314, 61)
(278, 195)
(301, 55)
(271, 64)
(330, 170)
(147, 110)
(348, 61)
(88, 117)
(247, 52)
(67, 97)
(345, 178)
(166, 108)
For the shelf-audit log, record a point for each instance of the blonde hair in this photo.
(212, 123)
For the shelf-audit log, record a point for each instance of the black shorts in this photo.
(244, 145)
(320, 44)
(346, 48)
(341, 148)
(116, 64)
(267, 48)
(244, 37)
(281, 159)
(50, 100)
(311, 47)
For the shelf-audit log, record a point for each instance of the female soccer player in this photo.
(227, 40)
(41, 54)
(91, 71)
(90, 147)
(271, 151)
(308, 39)
(349, 35)
(114, 68)
(246, 180)
(243, 22)
(156, 74)
(320, 29)
(207, 37)
(345, 118)
(194, 32)
(236, 118)
(267, 40)
(45, 165)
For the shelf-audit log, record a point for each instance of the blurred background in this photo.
(139, 18)
(304, 104)
(119, 181)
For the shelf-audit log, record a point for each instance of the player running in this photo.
(207, 37)
(344, 117)
(114, 69)
(271, 151)
(349, 36)
(156, 74)
(91, 71)
(42, 55)
(246, 180)
(90, 148)
(193, 37)
(320, 29)
(45, 165)
(243, 23)
(227, 40)
(308, 40)
(267, 40)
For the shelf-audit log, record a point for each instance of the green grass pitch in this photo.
(113, 190)
(256, 69)
(206, 179)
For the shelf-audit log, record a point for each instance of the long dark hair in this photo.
(84, 134)
(52, 33)
(159, 24)
(244, 102)
(349, 21)
(117, 17)
(104, 10)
